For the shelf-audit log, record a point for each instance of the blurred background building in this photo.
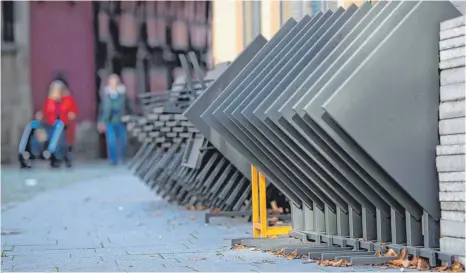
(139, 40)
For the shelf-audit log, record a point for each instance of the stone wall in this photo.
(16, 102)
(451, 151)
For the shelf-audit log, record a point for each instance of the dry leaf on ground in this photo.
(197, 259)
(190, 207)
(192, 217)
(200, 208)
(238, 247)
(339, 263)
(292, 255)
(457, 267)
(215, 210)
(422, 264)
(391, 253)
(378, 253)
(157, 213)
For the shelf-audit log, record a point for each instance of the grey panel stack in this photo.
(451, 151)
(336, 112)
(176, 160)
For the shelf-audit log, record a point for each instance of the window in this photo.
(8, 26)
(252, 21)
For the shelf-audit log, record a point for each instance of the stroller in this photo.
(42, 141)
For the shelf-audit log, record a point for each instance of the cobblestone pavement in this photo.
(114, 223)
(19, 185)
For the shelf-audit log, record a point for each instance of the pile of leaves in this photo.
(275, 209)
(339, 263)
(238, 246)
(455, 267)
(405, 261)
(281, 254)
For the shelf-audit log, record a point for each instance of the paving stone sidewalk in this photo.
(114, 223)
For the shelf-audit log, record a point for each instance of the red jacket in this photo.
(67, 105)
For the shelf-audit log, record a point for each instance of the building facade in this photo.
(86, 41)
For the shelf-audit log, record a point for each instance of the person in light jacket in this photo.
(114, 104)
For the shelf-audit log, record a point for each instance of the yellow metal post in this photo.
(260, 226)
(263, 205)
(255, 201)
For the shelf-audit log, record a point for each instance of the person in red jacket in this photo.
(71, 108)
(60, 106)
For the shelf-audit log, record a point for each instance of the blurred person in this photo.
(113, 106)
(58, 107)
(69, 104)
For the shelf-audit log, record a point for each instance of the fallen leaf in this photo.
(192, 217)
(215, 210)
(157, 213)
(404, 254)
(378, 253)
(414, 261)
(457, 267)
(391, 253)
(197, 259)
(238, 247)
(200, 208)
(406, 264)
(339, 263)
(292, 255)
(422, 264)
(190, 207)
(442, 268)
(11, 232)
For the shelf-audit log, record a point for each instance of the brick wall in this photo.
(451, 151)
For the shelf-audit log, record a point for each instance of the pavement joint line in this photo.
(193, 269)
(31, 245)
